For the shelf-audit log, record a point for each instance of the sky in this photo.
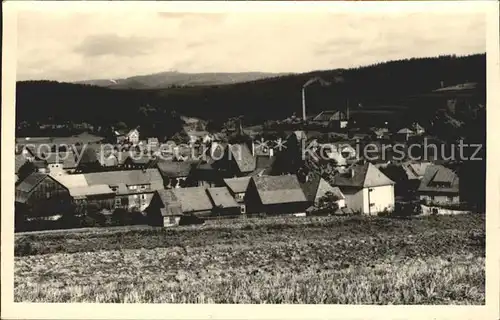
(66, 46)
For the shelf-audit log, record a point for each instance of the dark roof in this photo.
(329, 115)
(405, 131)
(31, 181)
(365, 176)
(66, 158)
(170, 203)
(193, 199)
(438, 178)
(242, 156)
(174, 169)
(310, 187)
(126, 177)
(20, 160)
(279, 189)
(141, 158)
(221, 197)
(237, 185)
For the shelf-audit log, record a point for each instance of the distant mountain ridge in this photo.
(169, 79)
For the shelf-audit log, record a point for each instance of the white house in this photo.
(133, 136)
(366, 189)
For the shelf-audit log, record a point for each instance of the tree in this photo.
(328, 203)
(215, 125)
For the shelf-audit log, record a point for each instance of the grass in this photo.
(432, 260)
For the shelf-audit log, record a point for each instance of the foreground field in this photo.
(434, 260)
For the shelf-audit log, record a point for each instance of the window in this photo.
(372, 204)
(451, 198)
(132, 187)
(47, 195)
(143, 196)
(118, 201)
(243, 209)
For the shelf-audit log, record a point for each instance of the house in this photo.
(366, 189)
(404, 134)
(238, 187)
(205, 174)
(223, 202)
(194, 201)
(263, 165)
(415, 171)
(332, 118)
(237, 161)
(40, 195)
(108, 161)
(175, 173)
(315, 187)
(139, 161)
(131, 136)
(439, 185)
(275, 195)
(19, 162)
(418, 129)
(380, 134)
(133, 188)
(164, 210)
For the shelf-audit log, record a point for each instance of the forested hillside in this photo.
(274, 98)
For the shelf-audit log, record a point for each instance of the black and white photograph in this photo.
(328, 156)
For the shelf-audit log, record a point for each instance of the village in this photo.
(289, 167)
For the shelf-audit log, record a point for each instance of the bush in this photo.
(120, 217)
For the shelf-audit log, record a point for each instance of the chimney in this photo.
(442, 84)
(239, 128)
(351, 171)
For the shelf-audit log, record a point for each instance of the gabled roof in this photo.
(362, 176)
(300, 135)
(174, 169)
(109, 161)
(279, 189)
(458, 87)
(415, 170)
(222, 198)
(20, 160)
(193, 199)
(438, 178)
(31, 181)
(329, 115)
(410, 173)
(242, 156)
(128, 177)
(170, 204)
(237, 185)
(310, 186)
(71, 181)
(141, 159)
(66, 158)
(98, 189)
(405, 131)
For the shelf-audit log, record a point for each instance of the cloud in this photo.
(111, 44)
(75, 47)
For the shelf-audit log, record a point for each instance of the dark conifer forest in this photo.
(394, 83)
